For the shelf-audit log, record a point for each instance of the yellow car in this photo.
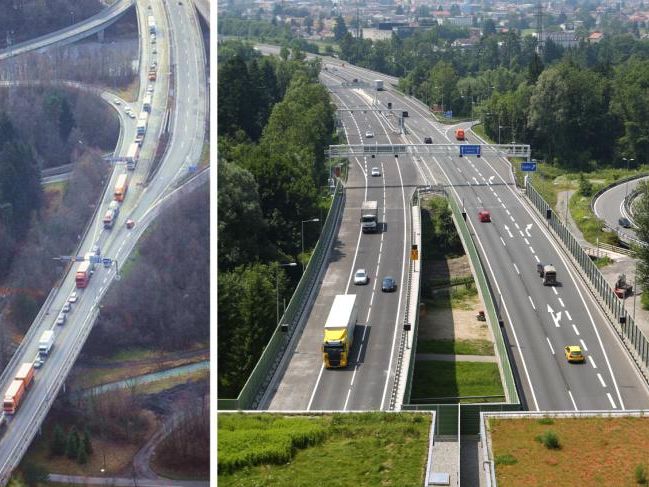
(573, 354)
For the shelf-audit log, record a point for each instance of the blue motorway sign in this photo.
(469, 150)
(449, 114)
(192, 169)
(107, 262)
(80, 258)
(528, 166)
(95, 259)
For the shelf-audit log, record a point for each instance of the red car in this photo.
(484, 216)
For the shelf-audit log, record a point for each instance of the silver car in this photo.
(361, 277)
(61, 319)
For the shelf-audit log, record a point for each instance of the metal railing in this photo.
(623, 324)
(272, 355)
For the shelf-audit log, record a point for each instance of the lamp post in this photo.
(302, 235)
(289, 264)
(628, 161)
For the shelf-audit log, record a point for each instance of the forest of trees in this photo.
(21, 20)
(163, 298)
(274, 122)
(579, 108)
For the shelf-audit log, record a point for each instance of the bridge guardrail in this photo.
(271, 356)
(623, 324)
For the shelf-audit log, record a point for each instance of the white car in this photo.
(116, 101)
(73, 297)
(60, 320)
(361, 277)
(131, 114)
(369, 134)
(66, 308)
(376, 172)
(38, 361)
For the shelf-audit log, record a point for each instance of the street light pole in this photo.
(289, 264)
(302, 235)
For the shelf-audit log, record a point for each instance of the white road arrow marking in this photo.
(527, 230)
(491, 179)
(508, 231)
(555, 317)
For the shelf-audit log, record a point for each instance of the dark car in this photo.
(624, 222)
(428, 140)
(389, 284)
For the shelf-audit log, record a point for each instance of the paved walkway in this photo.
(78, 479)
(456, 358)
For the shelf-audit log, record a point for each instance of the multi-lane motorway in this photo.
(181, 65)
(539, 321)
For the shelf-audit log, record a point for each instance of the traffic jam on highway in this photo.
(560, 324)
(86, 268)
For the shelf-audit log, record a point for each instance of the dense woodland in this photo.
(274, 122)
(21, 20)
(162, 300)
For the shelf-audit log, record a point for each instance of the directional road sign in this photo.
(528, 166)
(95, 259)
(449, 114)
(80, 258)
(107, 262)
(469, 150)
(192, 169)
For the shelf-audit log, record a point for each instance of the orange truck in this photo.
(22, 381)
(83, 274)
(120, 187)
(459, 134)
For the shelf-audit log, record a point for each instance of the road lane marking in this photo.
(521, 232)
(610, 398)
(532, 302)
(527, 229)
(537, 259)
(512, 218)
(532, 250)
(551, 349)
(583, 345)
(555, 290)
(562, 303)
(527, 242)
(517, 227)
(592, 361)
(601, 381)
(574, 327)
(504, 244)
(568, 315)
(517, 271)
(508, 231)
(573, 400)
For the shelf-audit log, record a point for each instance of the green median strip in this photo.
(456, 347)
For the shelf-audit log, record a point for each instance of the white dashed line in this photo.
(504, 244)
(537, 259)
(592, 361)
(532, 302)
(573, 400)
(608, 394)
(527, 242)
(101, 289)
(521, 232)
(517, 271)
(601, 381)
(574, 327)
(532, 250)
(568, 315)
(562, 303)
(550, 345)
(517, 227)
(512, 218)
(583, 345)
(555, 290)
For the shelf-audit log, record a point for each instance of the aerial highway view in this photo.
(104, 176)
(432, 243)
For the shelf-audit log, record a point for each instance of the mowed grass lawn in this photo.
(436, 379)
(335, 449)
(593, 451)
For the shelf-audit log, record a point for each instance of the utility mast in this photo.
(539, 28)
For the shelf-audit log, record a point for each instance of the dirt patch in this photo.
(456, 268)
(452, 324)
(593, 451)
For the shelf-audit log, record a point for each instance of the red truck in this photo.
(83, 274)
(459, 134)
(22, 381)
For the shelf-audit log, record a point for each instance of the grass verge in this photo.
(456, 347)
(458, 297)
(592, 451)
(436, 379)
(365, 449)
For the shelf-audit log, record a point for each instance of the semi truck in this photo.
(111, 214)
(370, 216)
(339, 331)
(378, 84)
(46, 341)
(146, 104)
(23, 379)
(121, 186)
(151, 22)
(83, 274)
(132, 156)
